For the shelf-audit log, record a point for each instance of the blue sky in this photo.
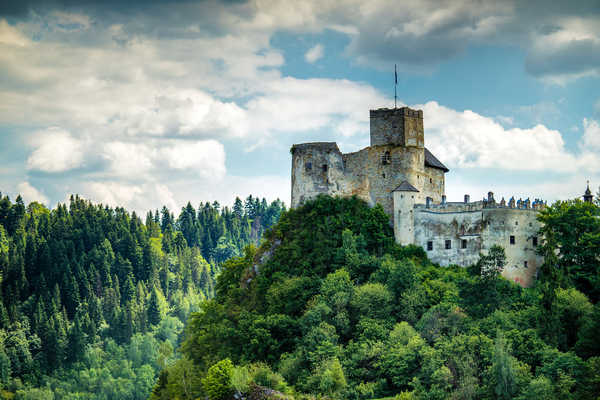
(158, 103)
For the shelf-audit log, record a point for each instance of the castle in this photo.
(400, 173)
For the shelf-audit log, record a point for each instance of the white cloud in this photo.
(127, 159)
(206, 158)
(292, 105)
(314, 53)
(55, 151)
(591, 136)
(30, 193)
(11, 36)
(469, 140)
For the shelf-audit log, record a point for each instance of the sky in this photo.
(155, 103)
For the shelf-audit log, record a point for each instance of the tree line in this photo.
(82, 277)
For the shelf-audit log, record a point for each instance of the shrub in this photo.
(218, 380)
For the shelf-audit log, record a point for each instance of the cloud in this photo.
(55, 151)
(470, 140)
(591, 135)
(314, 53)
(154, 158)
(206, 158)
(30, 193)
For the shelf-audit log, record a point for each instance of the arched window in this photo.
(387, 158)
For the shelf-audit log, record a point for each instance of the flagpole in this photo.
(395, 84)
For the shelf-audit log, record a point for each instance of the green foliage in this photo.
(328, 305)
(572, 230)
(217, 382)
(85, 279)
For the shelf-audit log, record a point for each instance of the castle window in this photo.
(308, 166)
(512, 239)
(463, 244)
(430, 180)
(324, 167)
(525, 264)
(387, 158)
(516, 222)
(429, 245)
(448, 244)
(534, 241)
(383, 175)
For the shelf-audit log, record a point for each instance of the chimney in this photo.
(467, 198)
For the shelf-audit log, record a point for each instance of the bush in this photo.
(263, 375)
(218, 380)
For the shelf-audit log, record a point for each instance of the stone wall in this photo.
(316, 168)
(439, 226)
(481, 228)
(397, 126)
(501, 224)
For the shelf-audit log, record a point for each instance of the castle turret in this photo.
(587, 196)
(397, 126)
(404, 203)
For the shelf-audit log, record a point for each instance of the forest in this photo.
(93, 299)
(329, 307)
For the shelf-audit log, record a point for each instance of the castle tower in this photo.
(587, 196)
(397, 126)
(404, 203)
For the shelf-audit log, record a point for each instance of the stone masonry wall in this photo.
(481, 227)
(398, 126)
(363, 173)
(501, 224)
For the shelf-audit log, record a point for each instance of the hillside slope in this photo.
(330, 306)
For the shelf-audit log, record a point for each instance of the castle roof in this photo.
(433, 162)
(405, 187)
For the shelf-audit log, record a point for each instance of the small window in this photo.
(463, 244)
(430, 180)
(308, 166)
(512, 239)
(429, 245)
(448, 244)
(324, 167)
(530, 224)
(387, 158)
(516, 222)
(383, 176)
(525, 264)
(534, 241)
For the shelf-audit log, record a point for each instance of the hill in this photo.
(329, 307)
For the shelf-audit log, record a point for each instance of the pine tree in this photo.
(154, 314)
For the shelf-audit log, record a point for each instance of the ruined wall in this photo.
(438, 226)
(501, 224)
(316, 168)
(364, 173)
(481, 227)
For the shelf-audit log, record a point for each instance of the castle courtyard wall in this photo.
(482, 227)
(522, 224)
(439, 226)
